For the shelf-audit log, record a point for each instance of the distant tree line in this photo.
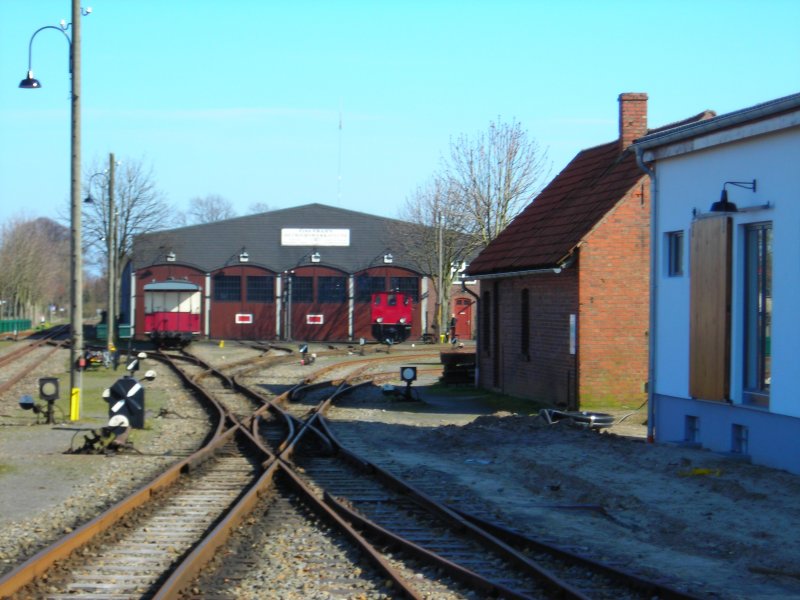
(34, 252)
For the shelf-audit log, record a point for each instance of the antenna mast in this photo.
(339, 177)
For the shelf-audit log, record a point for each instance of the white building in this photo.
(725, 290)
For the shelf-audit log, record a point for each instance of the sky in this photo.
(354, 103)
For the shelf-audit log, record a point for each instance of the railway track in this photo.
(23, 359)
(275, 506)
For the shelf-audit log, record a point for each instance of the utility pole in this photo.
(76, 291)
(112, 257)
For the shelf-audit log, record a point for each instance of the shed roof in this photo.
(549, 229)
(695, 128)
(211, 246)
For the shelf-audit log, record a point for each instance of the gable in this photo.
(550, 228)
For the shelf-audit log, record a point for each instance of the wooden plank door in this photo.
(710, 309)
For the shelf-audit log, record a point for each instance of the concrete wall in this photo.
(688, 183)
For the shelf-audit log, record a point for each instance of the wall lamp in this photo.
(170, 256)
(723, 205)
(315, 258)
(388, 258)
(244, 256)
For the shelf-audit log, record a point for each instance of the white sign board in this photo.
(243, 319)
(315, 237)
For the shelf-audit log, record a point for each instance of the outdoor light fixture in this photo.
(723, 205)
(388, 258)
(76, 260)
(315, 258)
(170, 256)
(244, 256)
(110, 237)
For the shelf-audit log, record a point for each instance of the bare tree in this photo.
(496, 174)
(35, 259)
(258, 207)
(480, 187)
(438, 243)
(139, 208)
(209, 209)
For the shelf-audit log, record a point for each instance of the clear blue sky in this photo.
(242, 98)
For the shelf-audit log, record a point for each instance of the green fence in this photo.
(11, 325)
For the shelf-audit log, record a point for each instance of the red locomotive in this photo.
(391, 316)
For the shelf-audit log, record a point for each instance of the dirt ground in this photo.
(702, 522)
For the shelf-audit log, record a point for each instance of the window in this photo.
(260, 288)
(525, 323)
(407, 285)
(366, 286)
(227, 288)
(302, 290)
(758, 313)
(332, 290)
(675, 254)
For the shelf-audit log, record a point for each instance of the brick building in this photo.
(302, 273)
(564, 288)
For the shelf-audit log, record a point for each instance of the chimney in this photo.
(632, 118)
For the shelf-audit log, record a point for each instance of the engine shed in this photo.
(303, 273)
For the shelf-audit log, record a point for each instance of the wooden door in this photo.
(463, 312)
(710, 309)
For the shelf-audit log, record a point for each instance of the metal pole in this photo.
(112, 256)
(76, 262)
(289, 307)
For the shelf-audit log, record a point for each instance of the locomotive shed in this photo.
(715, 527)
(305, 273)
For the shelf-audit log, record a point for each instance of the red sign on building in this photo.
(315, 319)
(244, 319)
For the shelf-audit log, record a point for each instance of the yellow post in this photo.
(222, 343)
(75, 404)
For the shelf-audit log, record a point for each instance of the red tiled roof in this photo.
(549, 228)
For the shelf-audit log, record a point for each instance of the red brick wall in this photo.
(632, 118)
(547, 373)
(614, 304)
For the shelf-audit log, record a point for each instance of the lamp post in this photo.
(111, 248)
(76, 263)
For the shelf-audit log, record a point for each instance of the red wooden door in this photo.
(463, 314)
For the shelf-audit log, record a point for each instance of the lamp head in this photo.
(722, 205)
(29, 83)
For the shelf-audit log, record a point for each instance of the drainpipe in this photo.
(651, 338)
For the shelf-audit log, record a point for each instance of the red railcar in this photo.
(391, 316)
(172, 312)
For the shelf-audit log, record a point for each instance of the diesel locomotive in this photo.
(391, 316)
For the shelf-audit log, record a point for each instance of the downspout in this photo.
(651, 338)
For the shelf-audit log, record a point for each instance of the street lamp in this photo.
(76, 263)
(111, 244)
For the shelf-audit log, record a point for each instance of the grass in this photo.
(94, 409)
